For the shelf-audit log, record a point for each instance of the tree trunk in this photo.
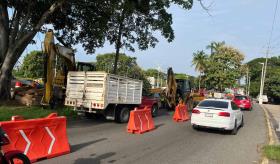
(118, 47)
(116, 60)
(6, 76)
(11, 50)
(199, 81)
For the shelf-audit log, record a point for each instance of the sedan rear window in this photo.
(213, 104)
(240, 97)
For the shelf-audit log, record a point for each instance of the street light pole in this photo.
(261, 87)
(249, 86)
(247, 81)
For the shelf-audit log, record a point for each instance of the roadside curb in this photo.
(271, 134)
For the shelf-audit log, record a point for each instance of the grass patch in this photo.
(272, 152)
(6, 112)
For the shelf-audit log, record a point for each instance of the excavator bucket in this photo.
(171, 88)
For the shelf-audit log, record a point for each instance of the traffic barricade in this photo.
(140, 121)
(39, 139)
(181, 113)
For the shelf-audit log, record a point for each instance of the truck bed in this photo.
(96, 90)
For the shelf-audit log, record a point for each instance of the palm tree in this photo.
(199, 60)
(214, 46)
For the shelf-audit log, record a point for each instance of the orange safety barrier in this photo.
(181, 113)
(140, 121)
(40, 138)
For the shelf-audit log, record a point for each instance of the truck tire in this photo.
(122, 115)
(154, 110)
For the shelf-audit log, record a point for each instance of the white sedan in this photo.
(217, 113)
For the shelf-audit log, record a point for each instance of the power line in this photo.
(267, 52)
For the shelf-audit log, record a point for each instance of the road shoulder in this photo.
(270, 117)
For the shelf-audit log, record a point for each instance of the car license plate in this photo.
(208, 114)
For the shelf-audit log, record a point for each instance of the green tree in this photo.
(214, 46)
(74, 22)
(272, 79)
(127, 66)
(88, 22)
(199, 61)
(129, 27)
(158, 75)
(33, 65)
(224, 68)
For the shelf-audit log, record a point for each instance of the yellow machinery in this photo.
(58, 61)
(177, 89)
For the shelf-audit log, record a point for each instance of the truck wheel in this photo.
(154, 110)
(123, 115)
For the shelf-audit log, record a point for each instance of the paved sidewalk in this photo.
(274, 113)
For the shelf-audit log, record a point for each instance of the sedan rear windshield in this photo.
(213, 104)
(240, 97)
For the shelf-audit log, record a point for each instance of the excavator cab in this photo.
(83, 66)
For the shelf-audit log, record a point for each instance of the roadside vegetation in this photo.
(272, 78)
(221, 68)
(272, 152)
(6, 112)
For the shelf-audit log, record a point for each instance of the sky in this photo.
(243, 24)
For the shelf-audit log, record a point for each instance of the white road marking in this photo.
(53, 140)
(140, 123)
(27, 141)
(148, 121)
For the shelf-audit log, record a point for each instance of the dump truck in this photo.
(102, 93)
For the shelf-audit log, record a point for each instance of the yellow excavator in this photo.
(58, 61)
(177, 89)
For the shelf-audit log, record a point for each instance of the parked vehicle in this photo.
(243, 102)
(217, 113)
(264, 98)
(10, 157)
(151, 102)
(27, 83)
(103, 93)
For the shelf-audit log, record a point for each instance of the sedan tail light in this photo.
(195, 111)
(224, 114)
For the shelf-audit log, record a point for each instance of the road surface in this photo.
(98, 142)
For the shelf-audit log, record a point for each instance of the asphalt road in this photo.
(98, 142)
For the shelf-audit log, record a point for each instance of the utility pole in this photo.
(261, 87)
(247, 81)
(249, 86)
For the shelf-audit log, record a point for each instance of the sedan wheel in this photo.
(195, 127)
(242, 122)
(234, 131)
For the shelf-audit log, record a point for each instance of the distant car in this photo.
(243, 102)
(27, 83)
(264, 98)
(219, 114)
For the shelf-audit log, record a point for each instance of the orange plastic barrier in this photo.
(37, 138)
(181, 113)
(140, 121)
